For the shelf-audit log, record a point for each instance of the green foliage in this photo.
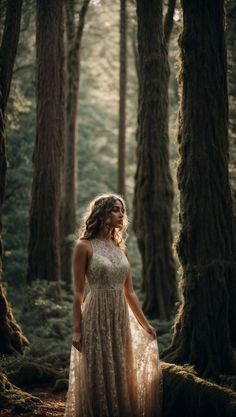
(20, 141)
(17, 198)
(46, 303)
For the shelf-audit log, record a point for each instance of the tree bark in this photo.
(153, 198)
(186, 395)
(231, 60)
(68, 206)
(13, 398)
(169, 21)
(8, 51)
(204, 328)
(12, 338)
(44, 242)
(122, 102)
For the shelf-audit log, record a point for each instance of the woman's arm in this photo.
(79, 264)
(133, 302)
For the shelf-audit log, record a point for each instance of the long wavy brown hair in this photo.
(96, 217)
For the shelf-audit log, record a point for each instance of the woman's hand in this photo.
(77, 341)
(151, 331)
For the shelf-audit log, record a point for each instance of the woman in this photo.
(114, 366)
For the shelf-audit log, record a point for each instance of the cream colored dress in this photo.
(118, 372)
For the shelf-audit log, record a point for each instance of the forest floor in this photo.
(53, 405)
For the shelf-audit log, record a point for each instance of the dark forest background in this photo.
(119, 96)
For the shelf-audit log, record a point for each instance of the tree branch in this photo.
(80, 27)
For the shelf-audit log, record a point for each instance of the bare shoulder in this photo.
(82, 248)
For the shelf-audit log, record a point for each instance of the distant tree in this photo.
(168, 22)
(153, 198)
(122, 101)
(11, 336)
(74, 31)
(204, 331)
(44, 242)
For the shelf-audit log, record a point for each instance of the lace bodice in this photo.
(108, 266)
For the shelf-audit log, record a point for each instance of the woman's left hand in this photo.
(151, 331)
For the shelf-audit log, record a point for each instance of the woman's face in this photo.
(116, 215)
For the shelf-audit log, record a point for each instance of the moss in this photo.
(10, 396)
(187, 395)
(33, 373)
(60, 385)
(12, 338)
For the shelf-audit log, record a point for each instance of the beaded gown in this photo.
(118, 372)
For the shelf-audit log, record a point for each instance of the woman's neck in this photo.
(102, 236)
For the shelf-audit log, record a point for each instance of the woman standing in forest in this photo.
(114, 365)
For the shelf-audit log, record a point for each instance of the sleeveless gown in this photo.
(118, 372)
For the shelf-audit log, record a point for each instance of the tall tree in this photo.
(44, 244)
(74, 33)
(153, 198)
(169, 19)
(205, 324)
(11, 336)
(122, 102)
(231, 60)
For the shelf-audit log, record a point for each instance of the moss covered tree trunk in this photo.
(122, 102)
(12, 339)
(44, 243)
(185, 395)
(8, 51)
(153, 198)
(11, 336)
(231, 59)
(74, 33)
(205, 324)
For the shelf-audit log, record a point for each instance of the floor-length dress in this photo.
(118, 372)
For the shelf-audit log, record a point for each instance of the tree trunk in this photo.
(44, 242)
(8, 51)
(186, 395)
(68, 207)
(122, 103)
(11, 337)
(153, 198)
(169, 21)
(13, 398)
(204, 328)
(231, 59)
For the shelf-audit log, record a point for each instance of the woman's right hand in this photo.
(77, 341)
